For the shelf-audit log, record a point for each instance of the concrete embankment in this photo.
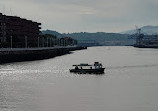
(30, 54)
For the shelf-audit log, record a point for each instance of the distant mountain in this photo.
(98, 36)
(146, 29)
(53, 33)
(101, 38)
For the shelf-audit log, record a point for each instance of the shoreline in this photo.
(30, 54)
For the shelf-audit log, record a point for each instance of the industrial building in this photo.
(16, 31)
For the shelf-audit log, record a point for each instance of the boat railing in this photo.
(83, 65)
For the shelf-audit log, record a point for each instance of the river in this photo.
(130, 82)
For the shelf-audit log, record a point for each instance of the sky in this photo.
(67, 16)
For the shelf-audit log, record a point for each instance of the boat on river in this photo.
(84, 68)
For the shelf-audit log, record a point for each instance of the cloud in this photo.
(85, 15)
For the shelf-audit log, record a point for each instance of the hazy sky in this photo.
(85, 15)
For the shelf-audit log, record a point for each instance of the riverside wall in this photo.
(28, 54)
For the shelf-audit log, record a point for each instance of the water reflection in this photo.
(89, 73)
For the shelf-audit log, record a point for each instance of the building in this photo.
(87, 43)
(2, 29)
(16, 32)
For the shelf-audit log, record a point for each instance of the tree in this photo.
(50, 36)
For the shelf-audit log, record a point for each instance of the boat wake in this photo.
(132, 66)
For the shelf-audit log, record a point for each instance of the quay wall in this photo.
(19, 55)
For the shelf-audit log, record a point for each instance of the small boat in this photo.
(84, 68)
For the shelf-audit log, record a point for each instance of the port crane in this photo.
(143, 38)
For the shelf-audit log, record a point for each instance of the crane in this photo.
(143, 38)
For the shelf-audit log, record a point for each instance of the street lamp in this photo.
(43, 41)
(38, 42)
(25, 41)
(11, 42)
(47, 41)
(50, 39)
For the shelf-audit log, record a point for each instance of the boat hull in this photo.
(83, 71)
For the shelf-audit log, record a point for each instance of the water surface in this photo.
(130, 82)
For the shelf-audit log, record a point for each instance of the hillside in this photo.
(146, 29)
(101, 38)
(52, 32)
